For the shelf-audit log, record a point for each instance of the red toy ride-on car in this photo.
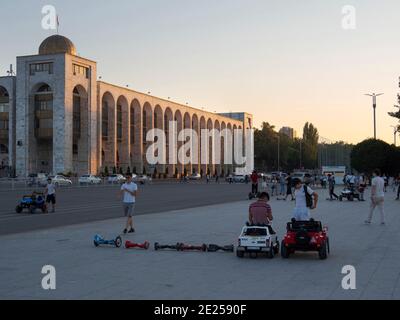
(305, 236)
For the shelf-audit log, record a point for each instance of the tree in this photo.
(310, 146)
(371, 154)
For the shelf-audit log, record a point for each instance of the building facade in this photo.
(289, 132)
(56, 117)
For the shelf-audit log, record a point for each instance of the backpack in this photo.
(309, 198)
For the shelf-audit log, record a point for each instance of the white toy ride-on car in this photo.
(256, 240)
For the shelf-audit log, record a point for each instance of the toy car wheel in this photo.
(239, 254)
(96, 244)
(284, 251)
(323, 252)
(118, 242)
(271, 252)
(18, 209)
(276, 248)
(253, 255)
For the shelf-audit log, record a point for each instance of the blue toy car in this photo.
(32, 203)
(99, 240)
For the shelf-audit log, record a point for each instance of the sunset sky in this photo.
(286, 61)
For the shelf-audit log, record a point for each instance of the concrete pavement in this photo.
(86, 272)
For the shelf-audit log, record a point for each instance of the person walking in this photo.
(377, 197)
(332, 183)
(50, 193)
(129, 191)
(289, 186)
(362, 185)
(254, 182)
(282, 181)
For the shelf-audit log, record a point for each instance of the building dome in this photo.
(57, 44)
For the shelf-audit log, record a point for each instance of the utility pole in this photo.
(374, 108)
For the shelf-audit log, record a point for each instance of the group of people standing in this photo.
(306, 199)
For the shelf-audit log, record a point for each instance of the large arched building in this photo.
(56, 117)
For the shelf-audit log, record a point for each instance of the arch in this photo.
(40, 126)
(80, 125)
(136, 136)
(230, 166)
(4, 126)
(4, 115)
(217, 148)
(108, 129)
(210, 165)
(159, 124)
(147, 125)
(123, 143)
(4, 93)
(168, 117)
(203, 166)
(179, 126)
(196, 168)
(187, 124)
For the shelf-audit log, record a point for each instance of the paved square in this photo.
(86, 272)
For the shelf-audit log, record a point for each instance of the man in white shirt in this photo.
(129, 193)
(377, 196)
(50, 193)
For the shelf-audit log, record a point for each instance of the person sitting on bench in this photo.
(260, 212)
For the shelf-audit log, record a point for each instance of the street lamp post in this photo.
(374, 107)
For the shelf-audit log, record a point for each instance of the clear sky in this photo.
(285, 61)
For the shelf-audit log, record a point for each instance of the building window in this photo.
(76, 118)
(4, 107)
(80, 70)
(75, 149)
(3, 124)
(41, 67)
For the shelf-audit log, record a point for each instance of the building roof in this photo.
(57, 44)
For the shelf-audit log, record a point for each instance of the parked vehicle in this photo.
(195, 176)
(142, 179)
(239, 178)
(89, 179)
(299, 175)
(116, 179)
(39, 179)
(60, 180)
